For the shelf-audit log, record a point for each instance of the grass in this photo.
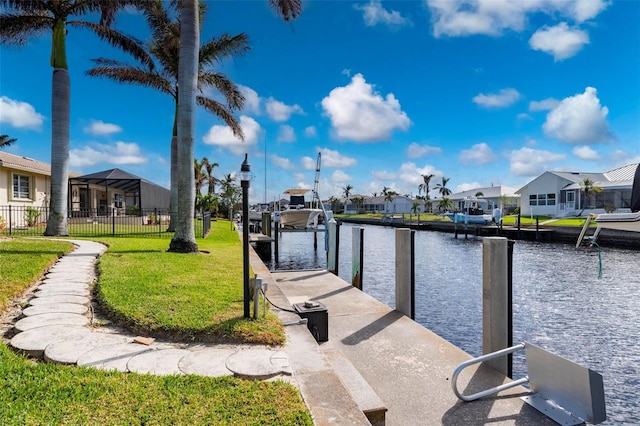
(511, 220)
(38, 394)
(22, 264)
(184, 297)
(208, 294)
(426, 217)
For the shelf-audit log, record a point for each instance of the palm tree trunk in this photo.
(60, 106)
(184, 240)
(173, 200)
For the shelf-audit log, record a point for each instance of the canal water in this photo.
(559, 301)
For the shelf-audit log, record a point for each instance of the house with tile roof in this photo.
(561, 194)
(25, 182)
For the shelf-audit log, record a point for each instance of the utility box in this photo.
(317, 319)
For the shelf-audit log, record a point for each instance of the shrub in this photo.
(31, 216)
(610, 209)
(3, 224)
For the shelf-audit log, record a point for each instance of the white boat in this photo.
(472, 213)
(618, 221)
(297, 215)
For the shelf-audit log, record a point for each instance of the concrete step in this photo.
(366, 398)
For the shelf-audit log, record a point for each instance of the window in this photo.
(21, 187)
(542, 200)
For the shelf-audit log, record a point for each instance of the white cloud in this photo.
(373, 13)
(283, 163)
(503, 98)
(415, 150)
(308, 163)
(223, 137)
(100, 128)
(330, 158)
(340, 177)
(251, 100)
(524, 116)
(383, 175)
(120, 153)
(411, 174)
(286, 134)
(466, 186)
(310, 132)
(493, 17)
(346, 72)
(532, 162)
(543, 105)
(359, 114)
(478, 155)
(559, 41)
(579, 119)
(279, 111)
(586, 153)
(20, 115)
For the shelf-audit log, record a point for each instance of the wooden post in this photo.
(495, 308)
(276, 232)
(405, 272)
(357, 256)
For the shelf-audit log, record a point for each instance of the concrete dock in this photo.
(376, 356)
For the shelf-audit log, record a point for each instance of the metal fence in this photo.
(32, 221)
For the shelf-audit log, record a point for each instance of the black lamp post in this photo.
(245, 178)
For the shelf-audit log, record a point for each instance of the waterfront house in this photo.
(561, 194)
(489, 198)
(26, 183)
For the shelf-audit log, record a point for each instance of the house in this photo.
(561, 194)
(489, 198)
(25, 182)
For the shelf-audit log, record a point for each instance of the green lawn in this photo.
(138, 282)
(184, 297)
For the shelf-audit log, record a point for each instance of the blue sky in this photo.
(481, 92)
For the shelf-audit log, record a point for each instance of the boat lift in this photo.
(560, 389)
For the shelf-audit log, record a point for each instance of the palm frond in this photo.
(228, 89)
(17, 29)
(287, 9)
(133, 75)
(219, 110)
(224, 47)
(114, 37)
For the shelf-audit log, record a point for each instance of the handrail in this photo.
(456, 372)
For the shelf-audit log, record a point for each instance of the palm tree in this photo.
(389, 196)
(442, 187)
(21, 20)
(359, 202)
(346, 191)
(425, 186)
(230, 193)
(587, 188)
(199, 175)
(5, 140)
(415, 207)
(445, 204)
(211, 180)
(161, 73)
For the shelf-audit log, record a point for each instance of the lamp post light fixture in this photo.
(245, 179)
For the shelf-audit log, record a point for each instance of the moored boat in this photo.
(297, 215)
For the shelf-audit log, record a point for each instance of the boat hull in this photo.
(484, 219)
(300, 218)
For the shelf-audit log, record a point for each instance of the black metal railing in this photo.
(32, 221)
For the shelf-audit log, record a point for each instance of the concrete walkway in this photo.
(59, 325)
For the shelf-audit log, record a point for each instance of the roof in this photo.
(27, 164)
(114, 178)
(622, 173)
(296, 191)
(487, 192)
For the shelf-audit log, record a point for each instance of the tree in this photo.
(479, 194)
(359, 202)
(211, 180)
(442, 187)
(587, 188)
(160, 71)
(424, 186)
(388, 197)
(415, 207)
(5, 140)
(230, 193)
(445, 204)
(199, 175)
(346, 191)
(22, 20)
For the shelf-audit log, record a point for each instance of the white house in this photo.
(489, 198)
(561, 194)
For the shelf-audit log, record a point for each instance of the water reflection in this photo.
(559, 302)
